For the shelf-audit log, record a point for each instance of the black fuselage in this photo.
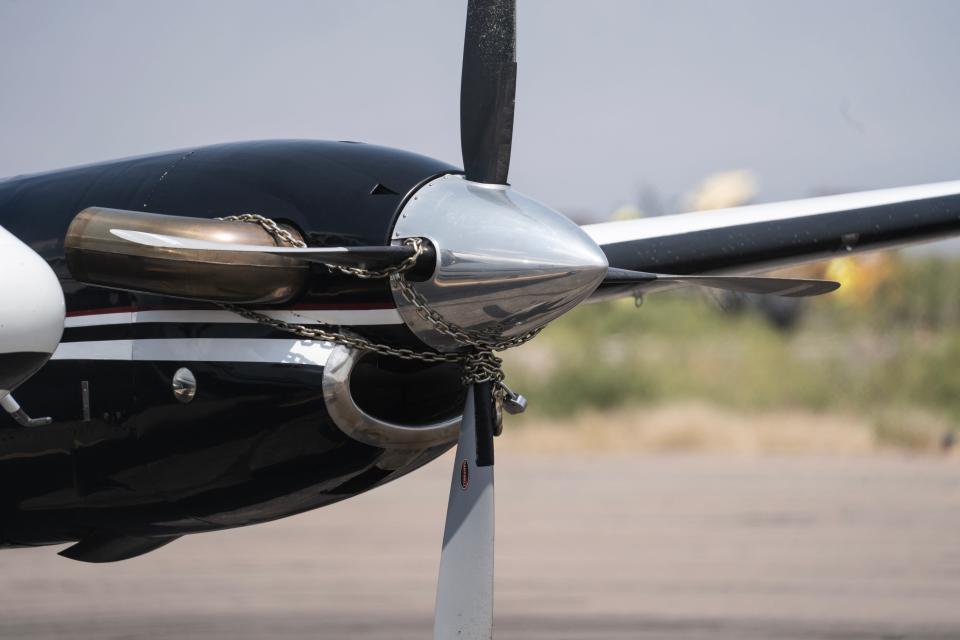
(123, 456)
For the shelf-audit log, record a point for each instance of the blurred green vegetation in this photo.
(894, 358)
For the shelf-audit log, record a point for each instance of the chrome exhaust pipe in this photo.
(98, 257)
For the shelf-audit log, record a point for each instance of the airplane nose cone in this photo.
(506, 264)
(31, 312)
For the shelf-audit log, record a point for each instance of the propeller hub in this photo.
(506, 264)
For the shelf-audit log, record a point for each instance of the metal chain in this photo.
(480, 362)
(451, 330)
(340, 337)
(283, 236)
(279, 234)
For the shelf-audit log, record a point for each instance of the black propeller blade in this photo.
(375, 257)
(488, 87)
(764, 285)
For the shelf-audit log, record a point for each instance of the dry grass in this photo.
(680, 374)
(700, 427)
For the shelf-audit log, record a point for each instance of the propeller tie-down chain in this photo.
(479, 361)
(284, 237)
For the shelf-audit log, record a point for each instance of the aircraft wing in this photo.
(760, 237)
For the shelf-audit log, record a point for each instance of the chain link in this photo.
(283, 236)
(451, 330)
(480, 362)
(327, 333)
(278, 233)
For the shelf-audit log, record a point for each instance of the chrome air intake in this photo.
(506, 264)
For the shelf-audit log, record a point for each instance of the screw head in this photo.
(184, 385)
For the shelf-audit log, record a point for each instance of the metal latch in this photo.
(513, 402)
(11, 406)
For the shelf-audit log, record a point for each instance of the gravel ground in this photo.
(606, 547)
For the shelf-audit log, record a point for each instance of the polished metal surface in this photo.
(464, 607)
(184, 385)
(513, 402)
(506, 264)
(9, 404)
(363, 427)
(96, 254)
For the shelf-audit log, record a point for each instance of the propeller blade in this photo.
(367, 257)
(763, 285)
(488, 86)
(464, 607)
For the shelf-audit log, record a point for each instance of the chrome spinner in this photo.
(506, 264)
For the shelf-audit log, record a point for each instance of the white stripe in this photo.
(99, 319)
(627, 230)
(199, 350)
(349, 317)
(99, 350)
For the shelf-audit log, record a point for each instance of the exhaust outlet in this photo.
(98, 257)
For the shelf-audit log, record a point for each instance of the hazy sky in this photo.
(612, 95)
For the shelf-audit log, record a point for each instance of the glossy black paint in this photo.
(257, 443)
(15, 367)
(111, 548)
(765, 245)
(328, 190)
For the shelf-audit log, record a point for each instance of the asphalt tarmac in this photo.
(604, 547)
